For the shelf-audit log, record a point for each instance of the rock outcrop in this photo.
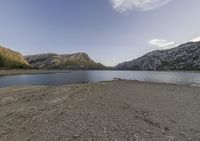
(10, 59)
(65, 61)
(183, 57)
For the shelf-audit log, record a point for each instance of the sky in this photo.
(110, 31)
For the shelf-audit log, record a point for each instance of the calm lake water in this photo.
(188, 78)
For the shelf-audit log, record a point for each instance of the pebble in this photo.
(76, 136)
(148, 131)
(170, 138)
(183, 134)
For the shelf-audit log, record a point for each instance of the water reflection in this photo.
(191, 78)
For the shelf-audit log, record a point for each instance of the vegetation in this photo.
(12, 60)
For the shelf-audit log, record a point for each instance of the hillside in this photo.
(183, 57)
(65, 61)
(10, 59)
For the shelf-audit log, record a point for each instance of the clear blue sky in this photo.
(110, 31)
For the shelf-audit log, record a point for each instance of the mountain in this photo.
(183, 57)
(65, 61)
(10, 59)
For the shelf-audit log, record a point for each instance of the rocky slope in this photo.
(66, 61)
(183, 57)
(10, 59)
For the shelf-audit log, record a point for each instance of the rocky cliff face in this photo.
(66, 61)
(183, 57)
(10, 59)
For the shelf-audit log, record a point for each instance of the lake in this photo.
(185, 78)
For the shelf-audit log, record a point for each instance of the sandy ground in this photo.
(104, 111)
(19, 72)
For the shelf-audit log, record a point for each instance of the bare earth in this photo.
(104, 111)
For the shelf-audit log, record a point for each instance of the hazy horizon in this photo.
(110, 31)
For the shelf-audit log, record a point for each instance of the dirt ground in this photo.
(104, 111)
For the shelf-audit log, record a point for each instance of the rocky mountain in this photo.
(65, 61)
(10, 59)
(183, 57)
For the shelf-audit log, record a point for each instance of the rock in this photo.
(119, 79)
(76, 136)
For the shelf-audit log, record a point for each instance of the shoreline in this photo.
(34, 71)
(37, 72)
(108, 81)
(111, 110)
(51, 71)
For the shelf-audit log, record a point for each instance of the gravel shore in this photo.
(104, 111)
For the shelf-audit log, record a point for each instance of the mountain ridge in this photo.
(75, 61)
(184, 57)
